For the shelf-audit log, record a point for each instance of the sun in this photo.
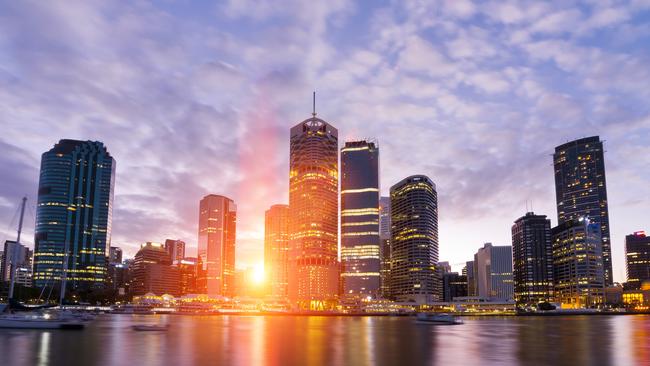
(258, 276)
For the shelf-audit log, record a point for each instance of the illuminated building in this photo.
(384, 238)
(414, 240)
(115, 255)
(74, 214)
(360, 243)
(276, 250)
(313, 215)
(217, 226)
(532, 259)
(471, 278)
(637, 259)
(187, 273)
(175, 248)
(454, 286)
(581, 190)
(577, 264)
(21, 257)
(152, 272)
(493, 270)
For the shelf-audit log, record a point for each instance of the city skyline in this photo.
(486, 156)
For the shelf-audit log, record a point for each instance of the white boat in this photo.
(38, 321)
(437, 319)
(150, 327)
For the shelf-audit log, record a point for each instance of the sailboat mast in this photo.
(12, 263)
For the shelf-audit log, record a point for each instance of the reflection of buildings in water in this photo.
(44, 349)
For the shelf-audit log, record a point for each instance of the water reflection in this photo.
(280, 340)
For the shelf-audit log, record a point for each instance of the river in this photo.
(312, 340)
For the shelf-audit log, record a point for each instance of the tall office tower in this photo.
(74, 214)
(493, 269)
(175, 248)
(217, 226)
(276, 250)
(471, 278)
(414, 240)
(581, 190)
(453, 285)
(577, 263)
(187, 275)
(152, 272)
(313, 215)
(115, 255)
(637, 259)
(384, 238)
(18, 258)
(532, 259)
(360, 243)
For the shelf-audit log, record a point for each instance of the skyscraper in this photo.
(74, 214)
(532, 259)
(16, 257)
(384, 238)
(470, 271)
(115, 255)
(216, 249)
(153, 273)
(360, 245)
(637, 259)
(581, 190)
(414, 240)
(313, 214)
(276, 249)
(493, 269)
(577, 263)
(175, 248)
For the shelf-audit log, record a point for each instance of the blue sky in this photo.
(198, 97)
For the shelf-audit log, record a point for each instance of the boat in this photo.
(150, 327)
(437, 319)
(38, 321)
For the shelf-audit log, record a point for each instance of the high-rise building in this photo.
(115, 255)
(453, 285)
(175, 248)
(384, 237)
(637, 259)
(152, 272)
(17, 257)
(493, 269)
(470, 271)
(187, 272)
(276, 250)
(414, 240)
(360, 243)
(217, 226)
(578, 264)
(532, 254)
(74, 214)
(313, 215)
(581, 190)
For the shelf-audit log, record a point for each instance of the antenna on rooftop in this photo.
(313, 113)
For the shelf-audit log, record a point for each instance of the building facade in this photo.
(175, 248)
(152, 272)
(578, 264)
(581, 189)
(414, 240)
(384, 239)
(74, 214)
(313, 215)
(471, 278)
(18, 258)
(360, 242)
(454, 285)
(493, 272)
(216, 249)
(115, 255)
(532, 255)
(276, 250)
(637, 259)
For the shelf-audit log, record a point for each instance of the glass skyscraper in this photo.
(360, 245)
(637, 259)
(276, 249)
(216, 249)
(414, 240)
(384, 238)
(493, 272)
(532, 255)
(313, 215)
(581, 190)
(74, 214)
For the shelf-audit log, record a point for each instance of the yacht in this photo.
(437, 319)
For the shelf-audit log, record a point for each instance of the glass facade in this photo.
(414, 240)
(276, 249)
(384, 237)
(313, 215)
(578, 264)
(74, 214)
(637, 259)
(532, 259)
(493, 272)
(216, 249)
(581, 190)
(360, 244)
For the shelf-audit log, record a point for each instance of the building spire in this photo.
(313, 113)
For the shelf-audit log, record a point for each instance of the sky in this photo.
(197, 97)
